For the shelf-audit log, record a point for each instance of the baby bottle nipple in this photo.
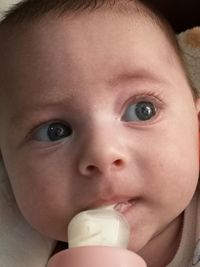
(97, 238)
(99, 227)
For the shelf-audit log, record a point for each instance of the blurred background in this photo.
(182, 14)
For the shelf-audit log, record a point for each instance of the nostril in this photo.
(118, 162)
(91, 168)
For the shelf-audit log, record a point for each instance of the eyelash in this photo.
(36, 127)
(149, 96)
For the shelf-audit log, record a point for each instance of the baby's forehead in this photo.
(27, 38)
(50, 33)
(30, 33)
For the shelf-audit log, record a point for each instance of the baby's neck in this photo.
(160, 251)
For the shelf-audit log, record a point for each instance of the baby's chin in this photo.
(56, 234)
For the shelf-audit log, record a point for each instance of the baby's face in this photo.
(95, 110)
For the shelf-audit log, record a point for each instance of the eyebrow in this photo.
(139, 74)
(25, 112)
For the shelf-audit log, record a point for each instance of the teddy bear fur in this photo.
(189, 42)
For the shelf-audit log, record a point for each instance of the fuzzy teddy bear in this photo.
(20, 245)
(189, 42)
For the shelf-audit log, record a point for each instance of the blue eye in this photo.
(53, 132)
(141, 111)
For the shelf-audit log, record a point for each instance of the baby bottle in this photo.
(97, 238)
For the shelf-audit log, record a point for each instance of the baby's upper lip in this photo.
(116, 201)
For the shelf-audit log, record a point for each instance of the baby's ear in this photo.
(197, 103)
(189, 42)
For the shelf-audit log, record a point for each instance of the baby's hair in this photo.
(30, 10)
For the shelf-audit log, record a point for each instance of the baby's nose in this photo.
(100, 165)
(101, 156)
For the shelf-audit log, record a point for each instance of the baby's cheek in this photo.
(40, 204)
(48, 220)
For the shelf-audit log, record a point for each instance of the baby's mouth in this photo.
(124, 206)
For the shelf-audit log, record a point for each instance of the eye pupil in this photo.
(145, 110)
(57, 131)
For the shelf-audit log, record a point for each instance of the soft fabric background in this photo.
(20, 245)
(5, 5)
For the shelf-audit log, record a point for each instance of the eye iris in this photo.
(145, 110)
(57, 131)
